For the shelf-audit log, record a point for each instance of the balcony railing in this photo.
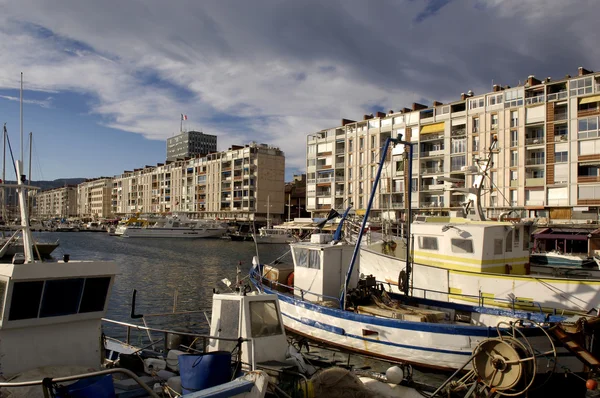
(534, 161)
(557, 96)
(535, 182)
(561, 138)
(534, 203)
(428, 154)
(431, 137)
(561, 116)
(339, 179)
(339, 193)
(339, 164)
(324, 194)
(538, 99)
(458, 132)
(534, 140)
(432, 170)
(432, 187)
(324, 180)
(514, 183)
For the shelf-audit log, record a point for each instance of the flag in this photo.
(183, 117)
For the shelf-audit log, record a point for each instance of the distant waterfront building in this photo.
(58, 202)
(548, 163)
(233, 184)
(190, 144)
(94, 198)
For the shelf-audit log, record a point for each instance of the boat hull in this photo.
(440, 346)
(183, 233)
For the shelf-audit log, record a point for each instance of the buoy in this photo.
(395, 375)
(591, 384)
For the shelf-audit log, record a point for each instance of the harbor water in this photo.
(158, 268)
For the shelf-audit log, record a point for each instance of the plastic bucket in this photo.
(93, 387)
(204, 371)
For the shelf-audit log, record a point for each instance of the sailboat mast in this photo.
(30, 146)
(4, 175)
(21, 108)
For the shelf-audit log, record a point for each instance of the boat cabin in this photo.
(51, 313)
(320, 268)
(249, 316)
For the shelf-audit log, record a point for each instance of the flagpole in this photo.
(181, 124)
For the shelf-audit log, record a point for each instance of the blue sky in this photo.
(106, 82)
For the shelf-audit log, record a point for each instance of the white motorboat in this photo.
(175, 226)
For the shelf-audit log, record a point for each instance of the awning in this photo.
(589, 163)
(589, 100)
(433, 128)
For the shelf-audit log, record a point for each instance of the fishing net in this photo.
(339, 383)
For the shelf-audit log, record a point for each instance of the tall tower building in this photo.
(189, 144)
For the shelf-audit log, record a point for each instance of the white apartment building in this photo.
(234, 184)
(94, 198)
(58, 202)
(547, 163)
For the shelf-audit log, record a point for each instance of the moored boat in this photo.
(176, 226)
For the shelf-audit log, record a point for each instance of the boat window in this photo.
(428, 243)
(2, 293)
(462, 245)
(25, 301)
(264, 319)
(509, 241)
(95, 291)
(229, 326)
(308, 258)
(498, 246)
(61, 297)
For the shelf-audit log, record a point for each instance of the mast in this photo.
(21, 191)
(268, 213)
(21, 116)
(4, 175)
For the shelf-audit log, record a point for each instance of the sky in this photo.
(106, 82)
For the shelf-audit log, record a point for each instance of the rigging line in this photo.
(37, 161)
(11, 154)
(560, 293)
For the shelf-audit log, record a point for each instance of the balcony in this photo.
(429, 154)
(431, 137)
(535, 161)
(324, 180)
(561, 116)
(538, 99)
(584, 179)
(323, 194)
(557, 96)
(339, 193)
(432, 170)
(339, 165)
(535, 182)
(432, 187)
(534, 203)
(535, 140)
(561, 138)
(323, 207)
(339, 178)
(514, 183)
(458, 132)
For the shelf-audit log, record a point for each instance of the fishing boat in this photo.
(371, 319)
(176, 226)
(474, 260)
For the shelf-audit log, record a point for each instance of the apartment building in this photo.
(58, 202)
(189, 144)
(94, 198)
(237, 184)
(547, 163)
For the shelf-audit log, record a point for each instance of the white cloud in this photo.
(47, 103)
(274, 71)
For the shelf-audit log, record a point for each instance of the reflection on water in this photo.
(158, 267)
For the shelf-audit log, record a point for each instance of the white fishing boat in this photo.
(420, 329)
(458, 259)
(175, 226)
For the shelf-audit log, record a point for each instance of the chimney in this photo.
(347, 121)
(463, 96)
(406, 110)
(437, 103)
(390, 111)
(470, 93)
(366, 117)
(582, 71)
(567, 76)
(496, 88)
(380, 114)
(548, 79)
(532, 81)
(416, 106)
(506, 87)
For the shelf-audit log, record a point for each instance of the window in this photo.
(561, 157)
(61, 297)
(514, 118)
(476, 103)
(95, 291)
(588, 128)
(459, 145)
(428, 243)
(264, 319)
(514, 158)
(308, 258)
(462, 245)
(514, 175)
(561, 173)
(457, 162)
(589, 192)
(509, 241)
(442, 110)
(581, 86)
(513, 97)
(498, 246)
(514, 138)
(475, 143)
(494, 122)
(399, 166)
(25, 300)
(373, 157)
(495, 99)
(517, 236)
(350, 143)
(475, 124)
(372, 141)
(361, 143)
